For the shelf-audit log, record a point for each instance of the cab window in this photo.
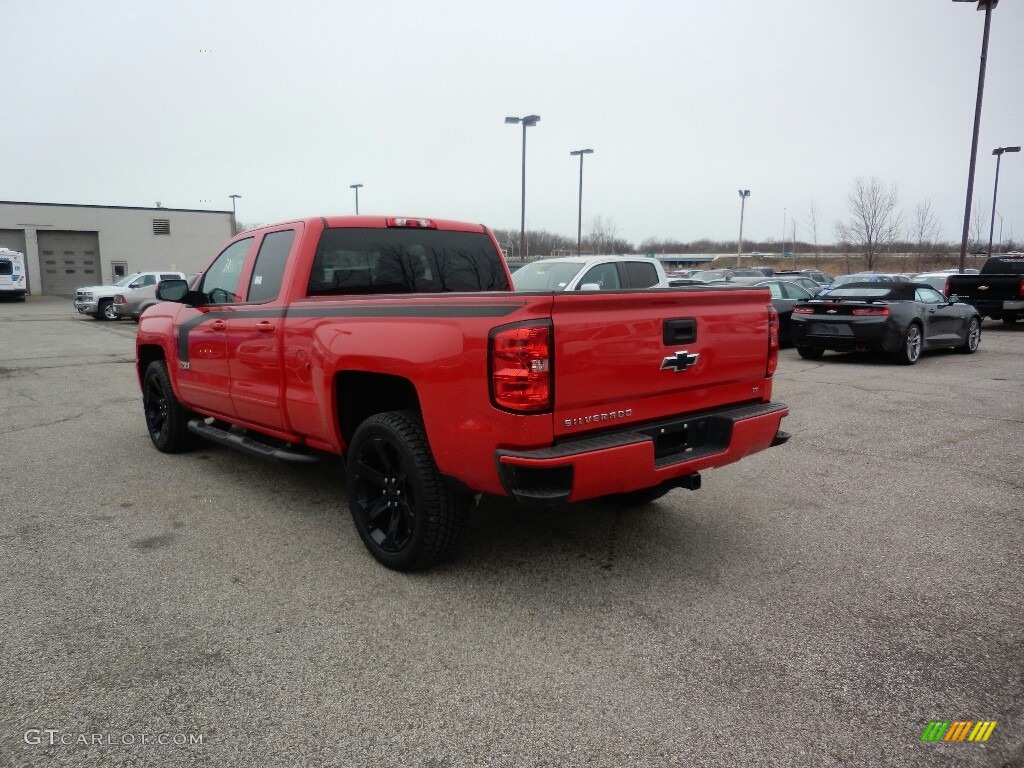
(604, 275)
(929, 296)
(220, 283)
(265, 283)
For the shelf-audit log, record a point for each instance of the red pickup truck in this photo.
(400, 344)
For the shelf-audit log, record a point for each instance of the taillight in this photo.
(872, 312)
(520, 362)
(803, 310)
(946, 288)
(773, 341)
(1020, 288)
(119, 299)
(411, 223)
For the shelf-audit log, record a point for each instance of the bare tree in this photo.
(978, 241)
(925, 229)
(603, 237)
(874, 221)
(811, 223)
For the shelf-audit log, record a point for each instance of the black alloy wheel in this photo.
(166, 418)
(404, 511)
(970, 345)
(910, 352)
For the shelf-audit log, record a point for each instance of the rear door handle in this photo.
(265, 326)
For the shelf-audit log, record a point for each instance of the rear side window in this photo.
(265, 283)
(641, 275)
(368, 261)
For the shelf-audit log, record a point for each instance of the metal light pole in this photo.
(356, 188)
(579, 218)
(998, 152)
(234, 220)
(783, 233)
(526, 122)
(987, 6)
(744, 194)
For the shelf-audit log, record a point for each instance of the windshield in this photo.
(863, 293)
(843, 279)
(125, 280)
(545, 276)
(1010, 264)
(710, 275)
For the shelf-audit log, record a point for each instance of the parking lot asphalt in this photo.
(817, 604)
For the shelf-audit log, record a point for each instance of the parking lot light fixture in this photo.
(234, 219)
(526, 123)
(986, 6)
(356, 188)
(579, 217)
(744, 194)
(998, 152)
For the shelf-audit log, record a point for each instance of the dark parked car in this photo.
(813, 275)
(813, 287)
(785, 295)
(900, 318)
(998, 291)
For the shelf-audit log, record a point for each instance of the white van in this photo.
(13, 280)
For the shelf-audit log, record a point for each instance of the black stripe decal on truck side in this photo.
(465, 310)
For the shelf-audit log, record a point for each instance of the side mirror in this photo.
(172, 290)
(590, 287)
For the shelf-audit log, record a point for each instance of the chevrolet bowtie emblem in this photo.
(680, 361)
(831, 311)
(982, 287)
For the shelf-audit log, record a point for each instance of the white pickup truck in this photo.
(98, 300)
(591, 273)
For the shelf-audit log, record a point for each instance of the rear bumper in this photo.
(877, 335)
(641, 457)
(996, 308)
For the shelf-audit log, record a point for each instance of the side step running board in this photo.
(247, 444)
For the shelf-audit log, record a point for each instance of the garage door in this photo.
(68, 260)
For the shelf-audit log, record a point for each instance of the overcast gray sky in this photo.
(130, 102)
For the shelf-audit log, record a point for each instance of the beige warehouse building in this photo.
(69, 246)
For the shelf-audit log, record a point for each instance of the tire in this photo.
(970, 345)
(404, 511)
(166, 418)
(106, 311)
(910, 352)
(810, 353)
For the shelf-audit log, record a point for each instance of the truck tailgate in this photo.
(623, 358)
